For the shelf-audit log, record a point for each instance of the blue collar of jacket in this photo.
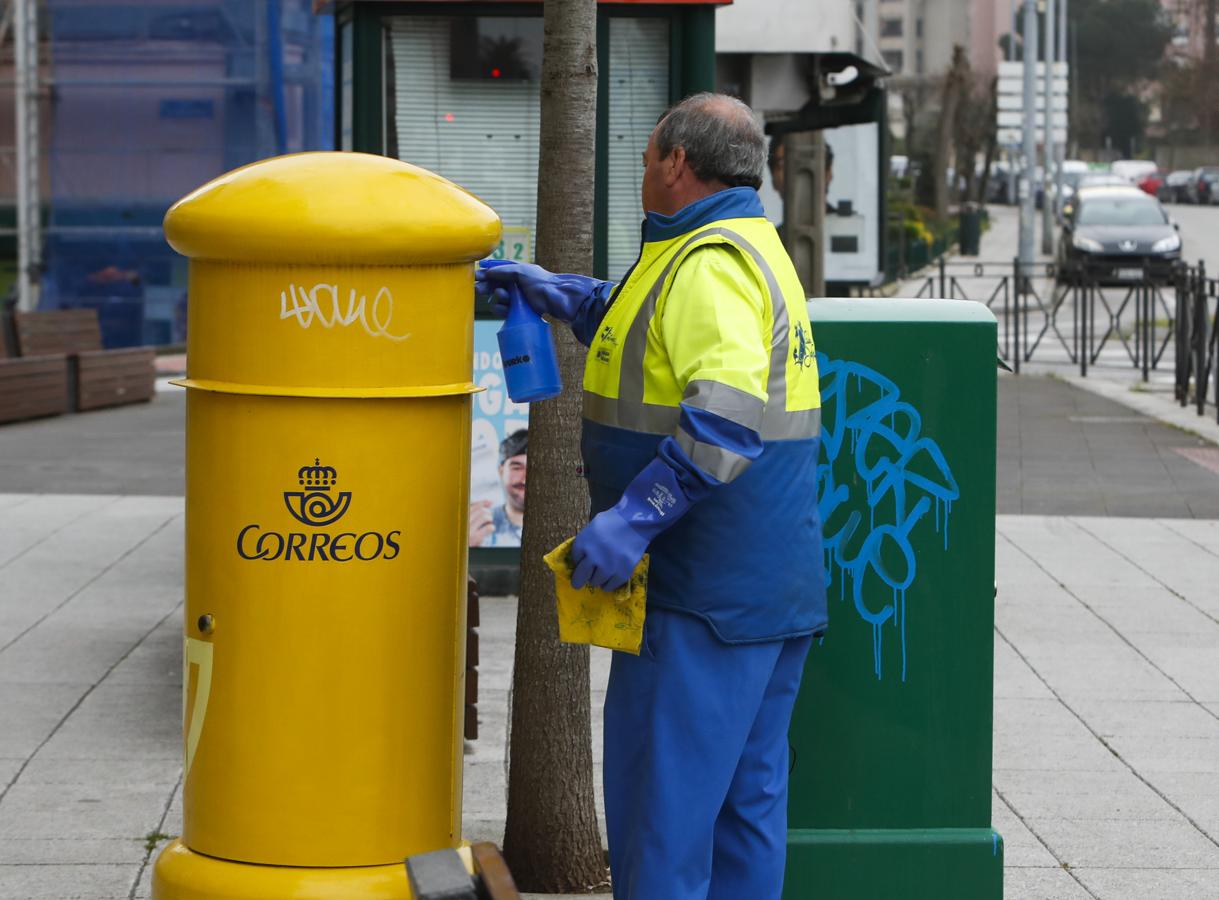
(732, 203)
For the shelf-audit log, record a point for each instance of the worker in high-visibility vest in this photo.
(700, 442)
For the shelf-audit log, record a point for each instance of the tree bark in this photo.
(552, 841)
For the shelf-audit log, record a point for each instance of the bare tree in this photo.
(552, 841)
(974, 131)
(955, 83)
(992, 138)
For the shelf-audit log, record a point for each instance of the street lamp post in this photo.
(1047, 144)
(1027, 201)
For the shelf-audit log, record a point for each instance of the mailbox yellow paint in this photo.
(328, 440)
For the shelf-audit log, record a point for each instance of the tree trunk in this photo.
(552, 842)
(992, 109)
(1208, 72)
(954, 83)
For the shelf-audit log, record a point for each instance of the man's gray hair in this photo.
(722, 139)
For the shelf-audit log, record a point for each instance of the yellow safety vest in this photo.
(747, 558)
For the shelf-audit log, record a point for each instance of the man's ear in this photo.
(674, 166)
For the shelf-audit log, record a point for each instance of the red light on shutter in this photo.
(496, 73)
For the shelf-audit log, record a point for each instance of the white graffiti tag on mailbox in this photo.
(308, 306)
(904, 476)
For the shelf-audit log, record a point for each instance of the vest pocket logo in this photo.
(802, 346)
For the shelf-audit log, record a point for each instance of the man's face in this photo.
(776, 169)
(654, 188)
(512, 474)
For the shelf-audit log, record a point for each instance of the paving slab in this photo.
(95, 881)
(1115, 843)
(30, 713)
(1049, 883)
(1112, 795)
(103, 809)
(55, 851)
(1162, 884)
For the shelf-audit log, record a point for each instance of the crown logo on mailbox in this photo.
(314, 505)
(317, 477)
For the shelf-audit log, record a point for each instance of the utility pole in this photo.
(1047, 144)
(1027, 202)
(29, 198)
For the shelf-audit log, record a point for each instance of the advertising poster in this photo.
(500, 443)
(852, 221)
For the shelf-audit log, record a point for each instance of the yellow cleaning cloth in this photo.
(589, 615)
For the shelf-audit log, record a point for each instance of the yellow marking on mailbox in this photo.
(197, 653)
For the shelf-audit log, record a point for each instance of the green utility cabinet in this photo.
(891, 734)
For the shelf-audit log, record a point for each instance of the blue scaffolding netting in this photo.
(149, 101)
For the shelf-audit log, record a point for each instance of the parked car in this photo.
(1201, 183)
(1133, 170)
(1102, 179)
(1152, 182)
(1117, 235)
(1175, 188)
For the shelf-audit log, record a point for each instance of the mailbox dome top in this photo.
(344, 208)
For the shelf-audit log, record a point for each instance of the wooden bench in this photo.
(98, 377)
(32, 387)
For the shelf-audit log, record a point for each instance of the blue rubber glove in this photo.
(577, 300)
(607, 550)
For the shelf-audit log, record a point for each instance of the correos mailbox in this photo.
(328, 441)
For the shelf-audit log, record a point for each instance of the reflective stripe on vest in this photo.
(771, 419)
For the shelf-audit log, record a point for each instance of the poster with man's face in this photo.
(499, 450)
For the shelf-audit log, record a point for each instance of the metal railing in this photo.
(1141, 316)
(1197, 339)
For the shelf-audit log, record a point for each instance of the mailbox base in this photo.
(181, 874)
(915, 864)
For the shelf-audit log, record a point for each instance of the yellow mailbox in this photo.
(328, 441)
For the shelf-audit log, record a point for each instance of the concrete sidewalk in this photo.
(1106, 701)
(1106, 752)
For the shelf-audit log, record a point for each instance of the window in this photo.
(893, 59)
(891, 28)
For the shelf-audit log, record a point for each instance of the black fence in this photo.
(1073, 315)
(1197, 336)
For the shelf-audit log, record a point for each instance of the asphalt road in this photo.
(1199, 234)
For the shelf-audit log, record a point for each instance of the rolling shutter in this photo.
(483, 134)
(480, 134)
(638, 95)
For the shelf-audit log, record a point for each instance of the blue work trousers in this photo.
(696, 762)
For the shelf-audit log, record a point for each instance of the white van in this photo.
(1133, 170)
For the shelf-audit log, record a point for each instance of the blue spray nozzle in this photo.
(519, 310)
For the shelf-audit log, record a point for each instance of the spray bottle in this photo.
(531, 367)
